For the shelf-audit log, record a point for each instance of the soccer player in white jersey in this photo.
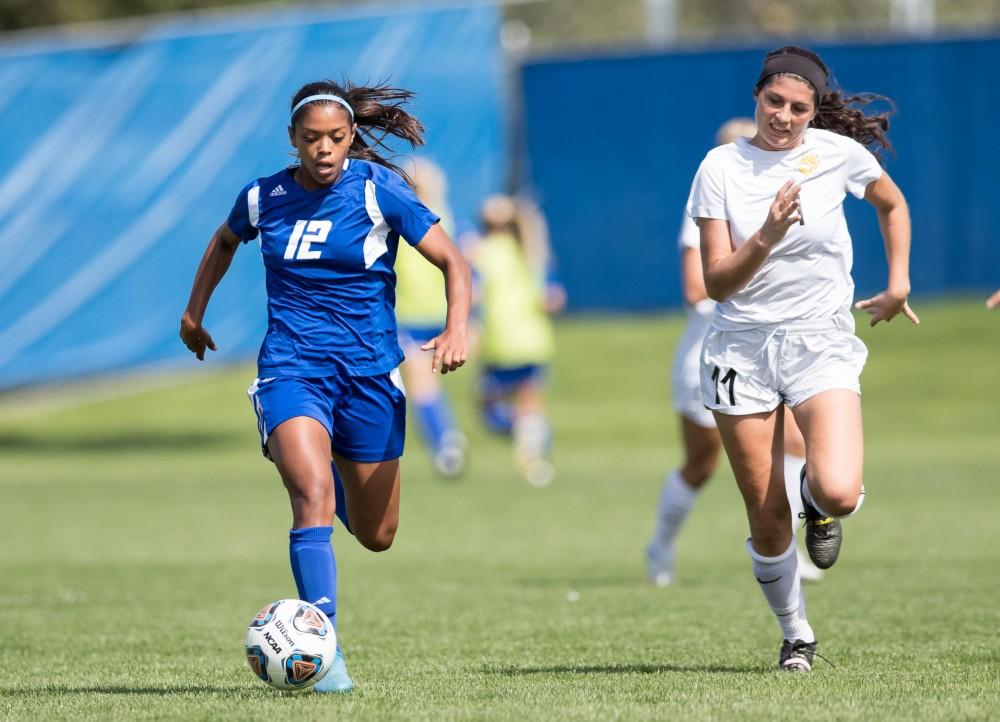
(329, 402)
(699, 435)
(994, 300)
(777, 256)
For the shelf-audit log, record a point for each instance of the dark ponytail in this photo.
(839, 113)
(844, 115)
(378, 113)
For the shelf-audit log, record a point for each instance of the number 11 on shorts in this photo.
(729, 378)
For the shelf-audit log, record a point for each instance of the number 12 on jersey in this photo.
(303, 236)
(729, 378)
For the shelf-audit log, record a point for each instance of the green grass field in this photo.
(141, 532)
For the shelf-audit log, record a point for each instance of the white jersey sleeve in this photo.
(689, 236)
(862, 167)
(708, 192)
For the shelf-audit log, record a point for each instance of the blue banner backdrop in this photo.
(119, 160)
(614, 143)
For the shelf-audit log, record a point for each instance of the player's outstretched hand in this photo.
(195, 337)
(993, 301)
(450, 351)
(885, 307)
(783, 214)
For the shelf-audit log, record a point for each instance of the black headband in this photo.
(798, 64)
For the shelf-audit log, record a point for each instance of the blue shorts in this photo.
(364, 415)
(417, 335)
(500, 381)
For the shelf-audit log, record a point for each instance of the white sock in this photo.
(531, 436)
(857, 507)
(778, 578)
(793, 472)
(676, 501)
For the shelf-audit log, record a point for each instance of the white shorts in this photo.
(753, 371)
(685, 371)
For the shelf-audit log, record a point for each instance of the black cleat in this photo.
(796, 656)
(824, 534)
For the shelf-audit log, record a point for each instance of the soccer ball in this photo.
(290, 644)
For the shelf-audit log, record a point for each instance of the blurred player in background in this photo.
(698, 431)
(421, 308)
(328, 381)
(993, 301)
(517, 292)
(777, 257)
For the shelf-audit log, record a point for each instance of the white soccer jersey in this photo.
(685, 368)
(690, 237)
(808, 273)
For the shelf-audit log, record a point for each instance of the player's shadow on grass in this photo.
(575, 669)
(56, 444)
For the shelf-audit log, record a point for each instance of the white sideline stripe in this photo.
(151, 226)
(375, 244)
(50, 151)
(253, 205)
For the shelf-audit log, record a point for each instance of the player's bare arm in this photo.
(450, 347)
(727, 271)
(894, 222)
(214, 264)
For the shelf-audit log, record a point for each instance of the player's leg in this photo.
(293, 417)
(831, 487)
(740, 382)
(494, 402)
(368, 438)
(795, 459)
(434, 414)
(300, 448)
(680, 491)
(372, 490)
(754, 445)
(531, 432)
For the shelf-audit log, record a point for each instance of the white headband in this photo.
(323, 96)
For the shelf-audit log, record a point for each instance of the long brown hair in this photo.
(841, 113)
(378, 113)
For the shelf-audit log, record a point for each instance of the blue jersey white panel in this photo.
(329, 257)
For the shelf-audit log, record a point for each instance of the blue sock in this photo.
(339, 498)
(435, 420)
(498, 417)
(314, 567)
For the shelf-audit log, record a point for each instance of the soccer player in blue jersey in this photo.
(328, 397)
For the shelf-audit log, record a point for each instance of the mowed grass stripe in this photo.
(142, 532)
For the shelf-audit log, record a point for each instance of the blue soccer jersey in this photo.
(329, 258)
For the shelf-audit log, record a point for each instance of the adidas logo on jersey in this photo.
(279, 191)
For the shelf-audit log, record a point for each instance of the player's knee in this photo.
(697, 471)
(843, 504)
(313, 498)
(378, 540)
(840, 497)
